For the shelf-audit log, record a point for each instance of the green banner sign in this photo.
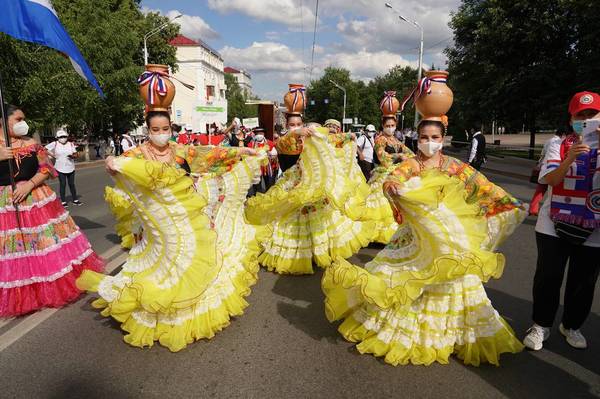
(209, 109)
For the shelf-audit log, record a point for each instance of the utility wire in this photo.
(312, 58)
(302, 34)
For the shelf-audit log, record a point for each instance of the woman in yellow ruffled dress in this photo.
(192, 260)
(422, 298)
(389, 152)
(305, 209)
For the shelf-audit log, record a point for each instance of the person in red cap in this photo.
(568, 229)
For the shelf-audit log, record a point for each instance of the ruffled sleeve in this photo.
(491, 198)
(44, 165)
(339, 139)
(135, 152)
(394, 183)
(384, 158)
(216, 160)
(290, 144)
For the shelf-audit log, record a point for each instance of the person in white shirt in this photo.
(127, 143)
(64, 153)
(477, 154)
(365, 146)
(568, 230)
(111, 146)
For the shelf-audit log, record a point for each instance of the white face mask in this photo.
(259, 137)
(62, 140)
(160, 140)
(430, 148)
(371, 133)
(389, 131)
(20, 128)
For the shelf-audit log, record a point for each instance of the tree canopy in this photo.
(236, 100)
(519, 62)
(362, 99)
(109, 34)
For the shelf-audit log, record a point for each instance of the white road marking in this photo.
(4, 322)
(30, 322)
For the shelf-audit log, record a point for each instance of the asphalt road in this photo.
(282, 346)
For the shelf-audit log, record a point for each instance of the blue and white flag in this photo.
(36, 21)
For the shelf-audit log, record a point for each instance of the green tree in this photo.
(362, 99)
(328, 99)
(236, 100)
(519, 62)
(400, 79)
(109, 34)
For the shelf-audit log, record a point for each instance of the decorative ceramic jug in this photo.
(390, 104)
(295, 99)
(434, 97)
(156, 87)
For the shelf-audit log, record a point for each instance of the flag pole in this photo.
(11, 166)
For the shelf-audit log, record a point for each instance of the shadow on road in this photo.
(114, 238)
(526, 374)
(86, 224)
(305, 311)
(518, 311)
(82, 387)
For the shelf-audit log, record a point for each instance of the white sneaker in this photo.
(536, 336)
(574, 337)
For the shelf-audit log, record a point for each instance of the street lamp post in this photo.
(419, 72)
(154, 32)
(344, 112)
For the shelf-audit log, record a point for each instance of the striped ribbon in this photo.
(156, 84)
(298, 91)
(424, 86)
(387, 100)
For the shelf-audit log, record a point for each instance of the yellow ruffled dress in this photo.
(377, 208)
(188, 270)
(422, 298)
(305, 210)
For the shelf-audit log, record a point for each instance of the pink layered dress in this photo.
(43, 252)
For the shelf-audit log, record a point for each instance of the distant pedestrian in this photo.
(111, 146)
(64, 153)
(365, 148)
(97, 148)
(477, 155)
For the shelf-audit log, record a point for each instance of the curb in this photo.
(89, 164)
(505, 173)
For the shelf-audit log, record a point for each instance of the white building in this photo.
(243, 78)
(202, 67)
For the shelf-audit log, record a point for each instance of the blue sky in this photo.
(272, 39)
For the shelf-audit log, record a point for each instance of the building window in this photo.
(210, 93)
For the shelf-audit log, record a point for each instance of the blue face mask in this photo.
(577, 127)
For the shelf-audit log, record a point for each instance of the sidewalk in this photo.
(88, 164)
(518, 168)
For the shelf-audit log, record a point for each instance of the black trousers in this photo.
(476, 164)
(366, 167)
(63, 179)
(584, 265)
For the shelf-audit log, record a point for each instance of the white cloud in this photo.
(363, 64)
(286, 12)
(264, 57)
(193, 27)
(272, 35)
